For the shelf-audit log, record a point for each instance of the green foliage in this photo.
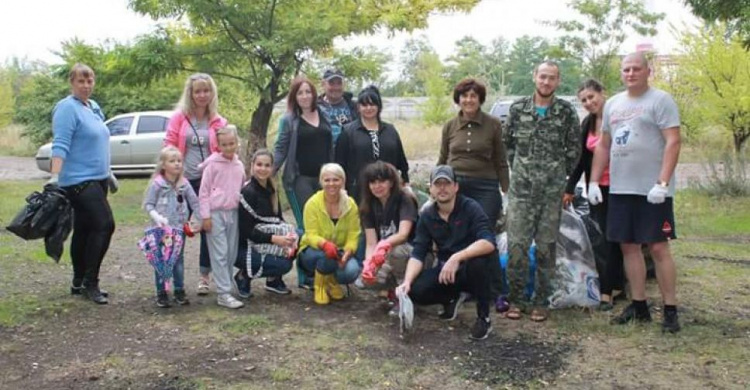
(265, 43)
(736, 13)
(362, 66)
(711, 83)
(525, 54)
(409, 82)
(7, 99)
(597, 35)
(436, 110)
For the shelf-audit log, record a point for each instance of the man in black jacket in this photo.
(338, 105)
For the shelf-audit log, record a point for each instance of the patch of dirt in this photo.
(726, 260)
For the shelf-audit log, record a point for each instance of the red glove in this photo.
(330, 249)
(374, 263)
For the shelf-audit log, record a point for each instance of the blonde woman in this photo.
(331, 235)
(192, 130)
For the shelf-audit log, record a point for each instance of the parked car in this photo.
(500, 110)
(135, 141)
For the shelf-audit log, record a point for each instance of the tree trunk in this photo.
(258, 128)
(740, 136)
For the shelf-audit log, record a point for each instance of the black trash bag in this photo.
(40, 214)
(580, 204)
(54, 241)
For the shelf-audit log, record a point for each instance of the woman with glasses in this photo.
(369, 139)
(192, 130)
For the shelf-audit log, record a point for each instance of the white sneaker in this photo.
(227, 300)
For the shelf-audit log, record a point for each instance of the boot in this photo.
(321, 296)
(77, 288)
(92, 292)
(334, 288)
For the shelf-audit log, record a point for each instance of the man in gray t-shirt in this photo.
(641, 142)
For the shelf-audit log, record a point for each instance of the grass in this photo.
(12, 143)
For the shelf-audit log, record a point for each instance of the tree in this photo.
(525, 54)
(264, 43)
(436, 110)
(713, 74)
(470, 60)
(736, 13)
(409, 83)
(595, 38)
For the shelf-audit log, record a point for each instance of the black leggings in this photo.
(203, 258)
(93, 226)
(613, 276)
(472, 277)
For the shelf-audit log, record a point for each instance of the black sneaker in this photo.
(78, 290)
(670, 323)
(450, 309)
(180, 298)
(630, 314)
(162, 300)
(481, 329)
(93, 293)
(243, 286)
(277, 286)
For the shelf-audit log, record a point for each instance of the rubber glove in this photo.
(158, 219)
(658, 194)
(330, 249)
(595, 193)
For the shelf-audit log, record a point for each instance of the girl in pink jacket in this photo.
(219, 197)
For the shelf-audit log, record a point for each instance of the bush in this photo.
(725, 177)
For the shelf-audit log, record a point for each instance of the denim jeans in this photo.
(273, 266)
(313, 260)
(178, 277)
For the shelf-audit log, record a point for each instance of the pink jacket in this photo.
(221, 184)
(178, 129)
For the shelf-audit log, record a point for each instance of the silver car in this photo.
(135, 141)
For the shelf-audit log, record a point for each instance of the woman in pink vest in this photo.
(192, 129)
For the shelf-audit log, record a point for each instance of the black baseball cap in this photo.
(330, 74)
(442, 172)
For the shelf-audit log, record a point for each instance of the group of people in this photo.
(346, 177)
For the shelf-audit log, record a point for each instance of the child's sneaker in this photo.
(277, 285)
(180, 298)
(501, 304)
(243, 285)
(162, 300)
(228, 301)
(202, 286)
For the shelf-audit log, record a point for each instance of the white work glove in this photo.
(505, 201)
(158, 219)
(657, 194)
(114, 185)
(595, 194)
(53, 179)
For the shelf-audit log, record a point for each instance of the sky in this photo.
(33, 29)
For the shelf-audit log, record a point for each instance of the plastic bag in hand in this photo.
(405, 312)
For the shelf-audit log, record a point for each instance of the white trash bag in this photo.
(405, 312)
(576, 281)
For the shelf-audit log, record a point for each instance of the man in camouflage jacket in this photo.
(543, 144)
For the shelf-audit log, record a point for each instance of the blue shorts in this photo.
(633, 220)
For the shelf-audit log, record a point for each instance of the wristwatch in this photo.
(663, 183)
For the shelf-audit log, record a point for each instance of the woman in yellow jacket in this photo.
(331, 236)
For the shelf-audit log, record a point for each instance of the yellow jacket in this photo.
(319, 227)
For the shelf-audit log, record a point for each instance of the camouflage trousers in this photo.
(537, 219)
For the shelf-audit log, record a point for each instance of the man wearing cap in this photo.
(543, 144)
(338, 105)
(460, 229)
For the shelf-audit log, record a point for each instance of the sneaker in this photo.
(359, 283)
(450, 309)
(481, 329)
(162, 300)
(180, 298)
(670, 323)
(501, 304)
(277, 286)
(307, 284)
(202, 287)
(243, 285)
(605, 306)
(394, 310)
(78, 290)
(630, 314)
(228, 301)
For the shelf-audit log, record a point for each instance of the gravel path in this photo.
(24, 168)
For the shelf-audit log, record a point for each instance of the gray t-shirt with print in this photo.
(635, 125)
(194, 145)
